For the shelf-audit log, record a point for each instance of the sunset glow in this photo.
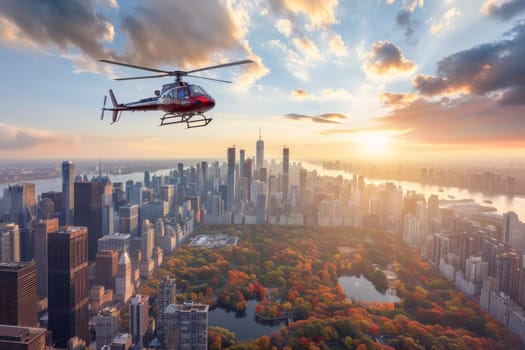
(385, 76)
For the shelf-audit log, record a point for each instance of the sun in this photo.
(374, 143)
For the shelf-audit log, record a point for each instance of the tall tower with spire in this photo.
(259, 153)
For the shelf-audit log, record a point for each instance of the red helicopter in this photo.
(181, 102)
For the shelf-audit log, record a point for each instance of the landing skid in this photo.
(169, 118)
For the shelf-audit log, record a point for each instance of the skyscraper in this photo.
(42, 230)
(22, 338)
(259, 153)
(123, 286)
(68, 189)
(23, 203)
(18, 294)
(106, 263)
(107, 326)
(9, 242)
(186, 326)
(286, 172)
(166, 293)
(139, 318)
(129, 219)
(68, 284)
(231, 179)
(88, 212)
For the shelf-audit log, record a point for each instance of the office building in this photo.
(23, 203)
(68, 284)
(286, 173)
(259, 154)
(42, 229)
(106, 263)
(68, 191)
(123, 285)
(22, 338)
(186, 326)
(139, 319)
(88, 212)
(166, 293)
(107, 326)
(116, 241)
(18, 294)
(123, 341)
(9, 242)
(230, 194)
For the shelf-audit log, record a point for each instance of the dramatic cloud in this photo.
(58, 24)
(15, 138)
(386, 58)
(466, 120)
(391, 99)
(328, 118)
(503, 10)
(320, 13)
(156, 32)
(159, 32)
(446, 22)
(496, 70)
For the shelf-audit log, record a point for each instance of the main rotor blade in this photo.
(220, 66)
(144, 77)
(196, 76)
(134, 66)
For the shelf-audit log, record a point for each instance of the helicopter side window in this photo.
(182, 93)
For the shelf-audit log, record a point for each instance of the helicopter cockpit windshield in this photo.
(196, 90)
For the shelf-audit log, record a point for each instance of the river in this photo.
(502, 203)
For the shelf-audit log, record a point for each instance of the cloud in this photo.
(154, 33)
(325, 94)
(16, 138)
(327, 118)
(496, 70)
(503, 10)
(284, 26)
(404, 21)
(319, 13)
(171, 32)
(470, 119)
(58, 24)
(337, 45)
(446, 21)
(300, 93)
(391, 99)
(307, 48)
(386, 58)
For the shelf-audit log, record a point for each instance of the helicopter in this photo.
(181, 102)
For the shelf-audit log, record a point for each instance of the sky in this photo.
(331, 79)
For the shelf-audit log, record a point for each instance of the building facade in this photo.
(68, 284)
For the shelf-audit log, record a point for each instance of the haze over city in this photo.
(364, 79)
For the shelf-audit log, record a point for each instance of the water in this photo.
(245, 327)
(361, 289)
(502, 203)
(55, 184)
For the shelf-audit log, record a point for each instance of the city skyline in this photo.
(383, 79)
